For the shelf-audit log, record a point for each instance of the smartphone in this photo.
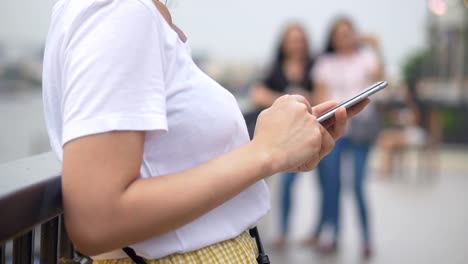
(356, 99)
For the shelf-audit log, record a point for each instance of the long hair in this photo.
(280, 54)
(329, 47)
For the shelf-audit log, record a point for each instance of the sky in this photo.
(247, 31)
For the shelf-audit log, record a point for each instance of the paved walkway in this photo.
(413, 221)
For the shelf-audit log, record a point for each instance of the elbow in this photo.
(85, 248)
(88, 239)
(85, 241)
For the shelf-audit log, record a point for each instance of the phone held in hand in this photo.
(376, 87)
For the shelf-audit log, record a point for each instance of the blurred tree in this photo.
(417, 66)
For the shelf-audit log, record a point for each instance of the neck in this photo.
(346, 52)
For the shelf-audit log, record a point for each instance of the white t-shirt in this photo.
(117, 65)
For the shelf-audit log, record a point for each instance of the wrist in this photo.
(268, 163)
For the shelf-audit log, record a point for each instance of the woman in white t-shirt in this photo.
(156, 154)
(346, 68)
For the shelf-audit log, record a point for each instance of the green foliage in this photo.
(449, 120)
(416, 65)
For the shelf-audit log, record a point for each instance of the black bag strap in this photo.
(133, 256)
(262, 257)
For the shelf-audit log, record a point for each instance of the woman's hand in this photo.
(290, 133)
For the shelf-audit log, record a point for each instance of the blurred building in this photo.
(446, 65)
(440, 73)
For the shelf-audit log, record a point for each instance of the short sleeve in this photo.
(113, 77)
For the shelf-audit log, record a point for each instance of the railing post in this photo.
(23, 248)
(49, 242)
(66, 254)
(2, 254)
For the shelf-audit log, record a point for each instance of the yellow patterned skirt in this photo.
(239, 250)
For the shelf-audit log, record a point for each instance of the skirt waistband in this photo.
(241, 249)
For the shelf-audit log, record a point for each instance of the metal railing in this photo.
(31, 200)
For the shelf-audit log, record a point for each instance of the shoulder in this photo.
(109, 24)
(94, 12)
(92, 5)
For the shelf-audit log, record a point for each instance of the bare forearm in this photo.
(263, 97)
(379, 72)
(154, 206)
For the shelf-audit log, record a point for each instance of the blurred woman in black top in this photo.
(289, 74)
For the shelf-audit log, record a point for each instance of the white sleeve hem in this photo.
(85, 127)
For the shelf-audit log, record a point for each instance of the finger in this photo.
(352, 111)
(328, 142)
(328, 123)
(301, 99)
(322, 108)
(339, 126)
(355, 109)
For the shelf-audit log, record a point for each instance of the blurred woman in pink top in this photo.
(349, 64)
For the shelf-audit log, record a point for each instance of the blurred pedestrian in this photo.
(410, 131)
(289, 74)
(349, 64)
